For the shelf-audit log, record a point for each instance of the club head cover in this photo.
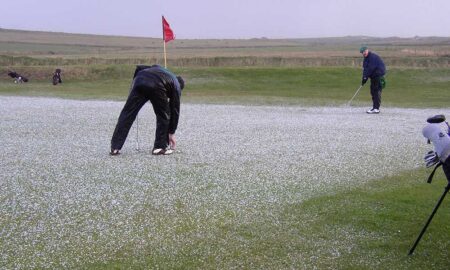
(439, 118)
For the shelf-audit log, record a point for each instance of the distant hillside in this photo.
(40, 37)
(18, 47)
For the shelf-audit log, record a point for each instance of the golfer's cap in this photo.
(362, 49)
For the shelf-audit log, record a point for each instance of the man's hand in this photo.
(172, 141)
(364, 80)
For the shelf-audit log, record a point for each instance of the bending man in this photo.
(163, 89)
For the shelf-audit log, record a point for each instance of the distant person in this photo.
(57, 76)
(163, 89)
(17, 77)
(373, 68)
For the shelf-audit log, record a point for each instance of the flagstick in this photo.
(164, 42)
(165, 58)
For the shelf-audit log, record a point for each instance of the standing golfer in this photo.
(163, 89)
(373, 68)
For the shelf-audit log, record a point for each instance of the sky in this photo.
(240, 19)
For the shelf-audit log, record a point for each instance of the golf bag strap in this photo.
(430, 178)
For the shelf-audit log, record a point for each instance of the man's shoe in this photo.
(114, 152)
(160, 151)
(373, 111)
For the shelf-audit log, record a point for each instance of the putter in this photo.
(447, 188)
(137, 132)
(348, 104)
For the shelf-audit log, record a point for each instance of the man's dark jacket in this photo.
(160, 80)
(373, 66)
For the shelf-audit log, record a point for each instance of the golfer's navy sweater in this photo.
(373, 66)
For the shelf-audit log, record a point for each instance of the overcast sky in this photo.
(232, 18)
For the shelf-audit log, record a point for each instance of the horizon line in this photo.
(227, 38)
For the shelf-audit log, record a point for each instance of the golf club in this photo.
(348, 104)
(137, 132)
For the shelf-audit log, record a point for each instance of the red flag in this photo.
(167, 32)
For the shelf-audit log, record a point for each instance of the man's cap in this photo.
(362, 49)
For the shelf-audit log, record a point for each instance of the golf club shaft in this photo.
(354, 95)
(429, 220)
(137, 132)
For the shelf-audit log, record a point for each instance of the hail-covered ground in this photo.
(65, 202)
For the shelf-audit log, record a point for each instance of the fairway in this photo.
(67, 203)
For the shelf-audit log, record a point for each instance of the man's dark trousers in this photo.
(139, 95)
(375, 92)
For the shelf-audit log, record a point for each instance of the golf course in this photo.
(273, 169)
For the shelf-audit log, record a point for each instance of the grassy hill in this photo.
(18, 48)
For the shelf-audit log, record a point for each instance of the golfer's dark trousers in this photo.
(139, 95)
(375, 92)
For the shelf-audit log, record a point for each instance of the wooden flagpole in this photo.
(165, 56)
(164, 42)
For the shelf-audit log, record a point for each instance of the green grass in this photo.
(374, 226)
(318, 86)
(279, 86)
(368, 227)
(107, 89)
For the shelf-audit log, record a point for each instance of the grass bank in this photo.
(370, 227)
(279, 86)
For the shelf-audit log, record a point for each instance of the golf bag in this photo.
(17, 77)
(439, 157)
(57, 77)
